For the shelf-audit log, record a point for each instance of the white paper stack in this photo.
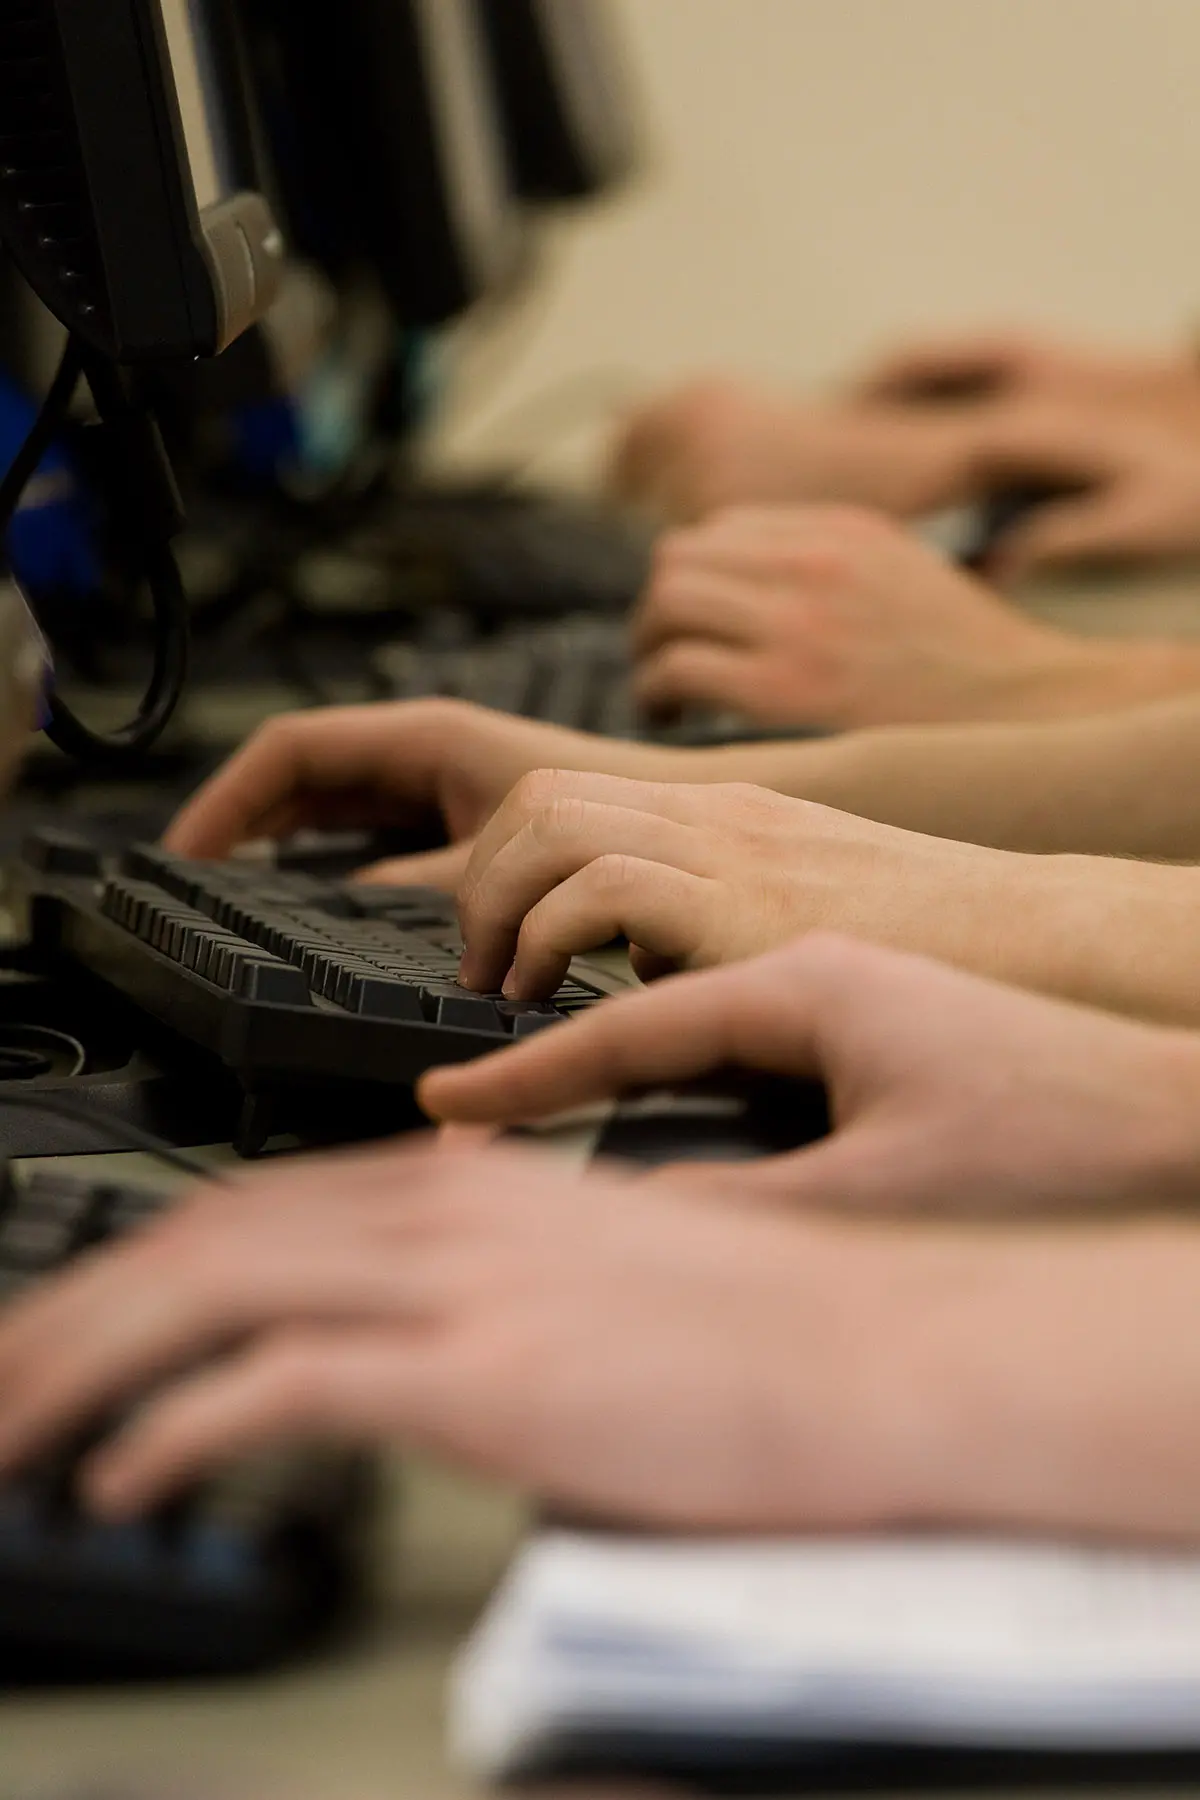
(923, 1642)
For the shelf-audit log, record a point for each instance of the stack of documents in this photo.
(686, 1654)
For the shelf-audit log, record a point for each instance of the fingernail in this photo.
(466, 975)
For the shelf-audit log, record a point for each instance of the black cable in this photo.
(119, 1131)
(168, 677)
(28, 1051)
(151, 510)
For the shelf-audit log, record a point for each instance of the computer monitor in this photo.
(386, 140)
(564, 96)
(126, 198)
(127, 201)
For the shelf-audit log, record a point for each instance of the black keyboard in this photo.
(285, 977)
(504, 554)
(239, 1574)
(573, 671)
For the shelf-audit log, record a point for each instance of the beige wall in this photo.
(829, 171)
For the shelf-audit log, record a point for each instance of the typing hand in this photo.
(950, 1094)
(716, 444)
(1024, 365)
(1132, 485)
(397, 764)
(837, 618)
(542, 1327)
(696, 876)
(658, 1353)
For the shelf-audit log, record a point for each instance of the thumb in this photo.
(845, 1172)
(1084, 529)
(876, 1165)
(442, 869)
(764, 1178)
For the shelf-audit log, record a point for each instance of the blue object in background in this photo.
(51, 541)
(265, 441)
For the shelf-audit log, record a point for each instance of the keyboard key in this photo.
(461, 1011)
(375, 997)
(58, 852)
(522, 1018)
(270, 982)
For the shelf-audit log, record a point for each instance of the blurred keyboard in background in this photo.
(243, 1572)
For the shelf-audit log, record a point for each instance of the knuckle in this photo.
(669, 551)
(675, 662)
(614, 873)
(707, 401)
(836, 535)
(271, 733)
(735, 516)
(844, 519)
(540, 789)
(562, 820)
(828, 563)
(744, 796)
(294, 1378)
(436, 715)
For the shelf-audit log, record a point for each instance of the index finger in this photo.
(279, 779)
(1045, 439)
(953, 365)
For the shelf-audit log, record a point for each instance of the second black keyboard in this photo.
(237, 1574)
(574, 671)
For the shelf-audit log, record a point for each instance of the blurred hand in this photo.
(1131, 487)
(413, 763)
(1001, 364)
(949, 1094)
(632, 1351)
(721, 443)
(836, 618)
(460, 1302)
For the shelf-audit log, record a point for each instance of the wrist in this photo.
(1167, 1162)
(1109, 933)
(1130, 672)
(866, 1459)
(1058, 1375)
(927, 1370)
(767, 764)
(1058, 674)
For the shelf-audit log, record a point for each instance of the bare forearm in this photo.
(1116, 784)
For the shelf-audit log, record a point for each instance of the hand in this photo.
(720, 443)
(835, 618)
(399, 764)
(1023, 365)
(950, 1095)
(634, 1353)
(697, 876)
(1131, 487)
(457, 1302)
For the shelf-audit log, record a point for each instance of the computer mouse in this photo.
(1001, 513)
(732, 1118)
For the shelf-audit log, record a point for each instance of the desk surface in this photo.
(363, 1720)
